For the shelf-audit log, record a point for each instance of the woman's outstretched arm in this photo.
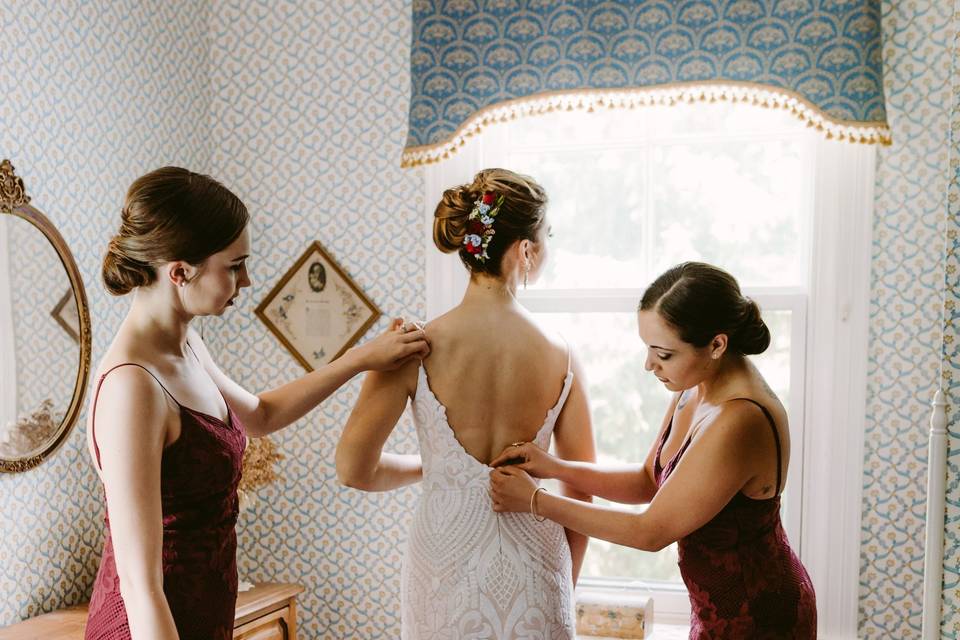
(720, 460)
(277, 408)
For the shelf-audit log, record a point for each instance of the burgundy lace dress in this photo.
(745, 582)
(199, 474)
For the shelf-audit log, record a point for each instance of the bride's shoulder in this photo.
(456, 323)
(440, 327)
(547, 338)
(505, 330)
(542, 342)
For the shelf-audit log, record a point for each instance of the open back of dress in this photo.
(470, 572)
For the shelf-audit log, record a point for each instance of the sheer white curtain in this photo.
(8, 359)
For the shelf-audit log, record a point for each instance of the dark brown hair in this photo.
(170, 214)
(520, 217)
(701, 301)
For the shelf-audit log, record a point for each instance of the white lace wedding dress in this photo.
(470, 572)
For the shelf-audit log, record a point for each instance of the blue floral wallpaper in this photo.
(308, 118)
(905, 314)
(951, 352)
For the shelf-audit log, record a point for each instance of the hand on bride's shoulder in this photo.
(401, 343)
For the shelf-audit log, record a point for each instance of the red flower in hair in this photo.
(489, 197)
(476, 227)
(473, 250)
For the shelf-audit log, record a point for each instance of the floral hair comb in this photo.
(480, 229)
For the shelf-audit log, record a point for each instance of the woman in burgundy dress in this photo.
(167, 428)
(712, 479)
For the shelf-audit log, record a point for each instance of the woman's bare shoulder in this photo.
(739, 419)
(126, 376)
(129, 396)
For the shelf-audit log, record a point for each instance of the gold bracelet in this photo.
(533, 504)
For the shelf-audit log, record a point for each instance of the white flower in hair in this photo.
(474, 240)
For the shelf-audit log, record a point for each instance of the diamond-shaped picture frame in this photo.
(316, 310)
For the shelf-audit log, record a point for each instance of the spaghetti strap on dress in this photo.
(199, 475)
(744, 580)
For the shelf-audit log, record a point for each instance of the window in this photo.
(634, 192)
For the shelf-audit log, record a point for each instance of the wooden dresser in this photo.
(268, 611)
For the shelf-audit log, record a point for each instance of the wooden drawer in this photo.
(278, 625)
(267, 612)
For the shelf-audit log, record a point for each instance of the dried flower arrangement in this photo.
(257, 471)
(30, 432)
(258, 468)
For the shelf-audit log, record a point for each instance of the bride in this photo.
(493, 378)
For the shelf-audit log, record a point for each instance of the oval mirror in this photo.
(44, 331)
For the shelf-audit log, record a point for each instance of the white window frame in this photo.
(831, 317)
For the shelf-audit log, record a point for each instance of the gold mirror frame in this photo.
(15, 201)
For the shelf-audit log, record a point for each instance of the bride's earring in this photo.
(526, 271)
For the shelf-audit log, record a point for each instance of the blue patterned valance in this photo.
(477, 61)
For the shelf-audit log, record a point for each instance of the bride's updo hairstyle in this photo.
(520, 217)
(170, 214)
(701, 301)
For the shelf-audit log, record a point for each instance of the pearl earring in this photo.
(526, 270)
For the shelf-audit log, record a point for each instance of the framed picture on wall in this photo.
(67, 315)
(316, 311)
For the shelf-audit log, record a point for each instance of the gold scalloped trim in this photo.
(661, 95)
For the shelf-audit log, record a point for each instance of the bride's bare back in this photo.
(496, 373)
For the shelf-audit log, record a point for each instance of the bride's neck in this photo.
(490, 291)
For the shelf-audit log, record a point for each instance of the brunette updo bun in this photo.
(170, 214)
(121, 273)
(520, 217)
(751, 335)
(702, 301)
